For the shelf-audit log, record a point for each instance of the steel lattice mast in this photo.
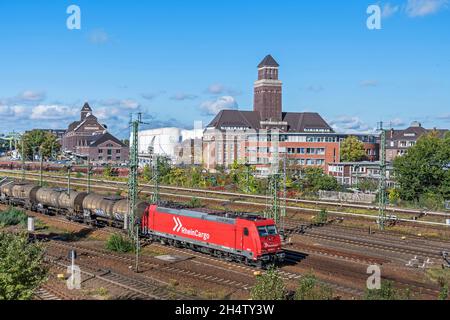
(382, 183)
(133, 178)
(155, 179)
(275, 208)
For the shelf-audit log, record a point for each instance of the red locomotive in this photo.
(246, 238)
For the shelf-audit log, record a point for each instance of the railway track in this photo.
(231, 196)
(138, 288)
(47, 292)
(286, 275)
(252, 204)
(160, 267)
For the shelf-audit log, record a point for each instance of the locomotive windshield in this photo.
(265, 231)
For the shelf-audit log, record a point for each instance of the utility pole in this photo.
(132, 224)
(23, 160)
(247, 171)
(382, 184)
(40, 168)
(69, 170)
(155, 179)
(88, 174)
(274, 179)
(283, 204)
(133, 176)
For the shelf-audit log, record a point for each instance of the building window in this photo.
(100, 150)
(118, 151)
(100, 158)
(109, 152)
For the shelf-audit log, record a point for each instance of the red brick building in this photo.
(87, 137)
(105, 148)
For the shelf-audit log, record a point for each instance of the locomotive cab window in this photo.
(265, 231)
(246, 232)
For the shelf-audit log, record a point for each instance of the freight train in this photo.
(243, 238)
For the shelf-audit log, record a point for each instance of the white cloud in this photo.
(14, 112)
(315, 88)
(98, 36)
(389, 10)
(52, 112)
(216, 88)
(421, 8)
(124, 103)
(31, 96)
(369, 83)
(397, 122)
(213, 107)
(220, 89)
(130, 104)
(183, 96)
(350, 124)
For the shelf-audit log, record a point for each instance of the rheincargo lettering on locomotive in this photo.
(195, 233)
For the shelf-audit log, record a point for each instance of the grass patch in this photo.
(194, 203)
(119, 243)
(437, 273)
(215, 295)
(13, 217)
(100, 293)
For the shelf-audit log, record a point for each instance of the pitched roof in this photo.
(268, 61)
(101, 138)
(73, 125)
(236, 118)
(412, 133)
(297, 122)
(86, 107)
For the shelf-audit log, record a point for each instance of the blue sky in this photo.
(181, 61)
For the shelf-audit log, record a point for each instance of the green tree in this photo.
(119, 243)
(309, 288)
(39, 141)
(269, 286)
(321, 217)
(422, 172)
(352, 150)
(147, 173)
(314, 179)
(107, 172)
(367, 185)
(243, 177)
(443, 293)
(22, 268)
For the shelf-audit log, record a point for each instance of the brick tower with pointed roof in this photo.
(85, 111)
(268, 91)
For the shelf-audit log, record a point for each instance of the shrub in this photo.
(387, 292)
(119, 243)
(269, 286)
(321, 217)
(12, 217)
(22, 268)
(309, 288)
(194, 203)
